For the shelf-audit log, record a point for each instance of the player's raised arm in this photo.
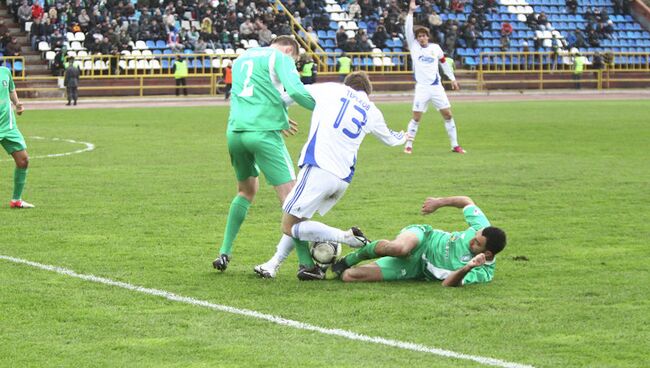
(408, 25)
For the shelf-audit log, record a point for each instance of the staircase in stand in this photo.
(35, 66)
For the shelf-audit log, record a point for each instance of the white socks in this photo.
(450, 126)
(412, 130)
(283, 249)
(317, 231)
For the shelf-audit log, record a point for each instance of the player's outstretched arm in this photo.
(431, 204)
(408, 25)
(456, 277)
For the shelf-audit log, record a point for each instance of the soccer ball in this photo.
(325, 253)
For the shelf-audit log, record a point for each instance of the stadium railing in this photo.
(16, 64)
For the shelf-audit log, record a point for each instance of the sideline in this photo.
(270, 318)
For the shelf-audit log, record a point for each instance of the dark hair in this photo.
(495, 239)
(285, 40)
(420, 29)
(358, 81)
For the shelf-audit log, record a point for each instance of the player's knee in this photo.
(286, 228)
(22, 162)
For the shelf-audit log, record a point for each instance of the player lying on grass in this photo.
(341, 119)
(424, 253)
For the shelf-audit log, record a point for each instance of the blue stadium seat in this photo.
(150, 44)
(330, 43)
(160, 44)
(18, 66)
(322, 34)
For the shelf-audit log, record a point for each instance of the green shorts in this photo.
(252, 152)
(13, 141)
(409, 267)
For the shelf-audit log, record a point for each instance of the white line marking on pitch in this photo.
(89, 147)
(271, 318)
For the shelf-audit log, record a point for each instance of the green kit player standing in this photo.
(258, 116)
(11, 138)
(421, 252)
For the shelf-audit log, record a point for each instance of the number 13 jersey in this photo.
(341, 119)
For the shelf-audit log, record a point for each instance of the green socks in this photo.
(20, 176)
(302, 251)
(236, 215)
(363, 253)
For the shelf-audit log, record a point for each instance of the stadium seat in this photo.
(160, 44)
(80, 36)
(43, 46)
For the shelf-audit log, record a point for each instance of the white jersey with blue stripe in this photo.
(424, 59)
(341, 119)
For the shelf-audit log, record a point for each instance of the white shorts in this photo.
(436, 94)
(315, 190)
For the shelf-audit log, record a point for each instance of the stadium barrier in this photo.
(151, 73)
(16, 64)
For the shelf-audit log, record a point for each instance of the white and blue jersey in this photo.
(341, 119)
(425, 59)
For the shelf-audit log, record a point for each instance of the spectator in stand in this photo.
(37, 33)
(597, 62)
(572, 6)
(608, 29)
(84, 20)
(580, 39)
(470, 35)
(13, 48)
(174, 41)
(37, 10)
(247, 29)
(542, 21)
(200, 46)
(341, 37)
(457, 6)
(312, 36)
(206, 27)
(450, 40)
(362, 41)
(594, 40)
(192, 37)
(225, 40)
(380, 37)
(367, 9)
(506, 29)
(505, 42)
(265, 36)
(24, 14)
(435, 25)
(105, 46)
(354, 10)
(169, 20)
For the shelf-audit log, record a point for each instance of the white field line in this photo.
(89, 147)
(271, 318)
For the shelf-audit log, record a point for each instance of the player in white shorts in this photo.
(342, 117)
(428, 83)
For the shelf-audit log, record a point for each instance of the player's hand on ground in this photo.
(455, 86)
(478, 260)
(293, 128)
(19, 109)
(430, 205)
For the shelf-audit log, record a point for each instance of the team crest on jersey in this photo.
(466, 258)
(426, 59)
(5, 83)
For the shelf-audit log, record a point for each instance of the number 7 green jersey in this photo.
(259, 77)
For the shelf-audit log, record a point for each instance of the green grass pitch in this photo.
(569, 182)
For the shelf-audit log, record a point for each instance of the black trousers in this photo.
(73, 94)
(181, 82)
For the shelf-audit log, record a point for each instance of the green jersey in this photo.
(446, 252)
(7, 117)
(259, 78)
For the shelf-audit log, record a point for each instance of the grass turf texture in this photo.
(568, 181)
